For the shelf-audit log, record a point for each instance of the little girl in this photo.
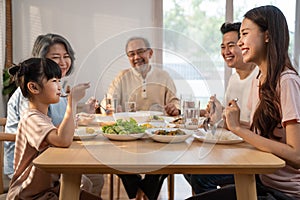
(39, 80)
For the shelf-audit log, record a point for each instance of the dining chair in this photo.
(2, 123)
(4, 181)
(111, 187)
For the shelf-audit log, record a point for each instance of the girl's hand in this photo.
(232, 115)
(78, 91)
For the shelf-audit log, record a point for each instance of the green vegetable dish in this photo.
(124, 127)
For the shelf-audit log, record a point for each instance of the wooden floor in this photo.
(181, 188)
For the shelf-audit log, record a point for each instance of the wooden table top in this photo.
(100, 155)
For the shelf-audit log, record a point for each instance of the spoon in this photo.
(216, 125)
(64, 95)
(206, 124)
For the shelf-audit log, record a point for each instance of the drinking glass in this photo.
(130, 106)
(191, 113)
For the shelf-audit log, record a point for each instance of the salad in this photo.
(124, 127)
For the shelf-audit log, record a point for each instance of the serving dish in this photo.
(84, 133)
(169, 138)
(139, 117)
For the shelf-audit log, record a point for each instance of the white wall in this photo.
(97, 30)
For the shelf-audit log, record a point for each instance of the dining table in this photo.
(145, 156)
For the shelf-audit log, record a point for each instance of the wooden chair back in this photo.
(3, 137)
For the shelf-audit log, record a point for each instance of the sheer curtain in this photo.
(2, 55)
(97, 30)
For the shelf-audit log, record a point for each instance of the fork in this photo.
(216, 125)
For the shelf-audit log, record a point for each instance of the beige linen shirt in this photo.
(156, 90)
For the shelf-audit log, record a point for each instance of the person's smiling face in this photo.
(59, 54)
(51, 90)
(230, 51)
(253, 42)
(138, 54)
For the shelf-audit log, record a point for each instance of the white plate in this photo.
(86, 132)
(139, 117)
(86, 119)
(169, 138)
(168, 119)
(124, 137)
(102, 118)
(222, 136)
(152, 113)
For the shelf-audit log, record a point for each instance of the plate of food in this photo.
(83, 133)
(169, 135)
(178, 122)
(124, 130)
(140, 117)
(221, 136)
(84, 119)
(102, 120)
(157, 124)
(151, 113)
(157, 118)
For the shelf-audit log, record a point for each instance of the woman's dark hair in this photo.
(268, 113)
(228, 27)
(35, 70)
(44, 42)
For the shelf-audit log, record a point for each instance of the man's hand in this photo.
(171, 109)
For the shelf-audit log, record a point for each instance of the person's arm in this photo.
(15, 106)
(63, 136)
(172, 106)
(289, 151)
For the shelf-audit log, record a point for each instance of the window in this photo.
(192, 41)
